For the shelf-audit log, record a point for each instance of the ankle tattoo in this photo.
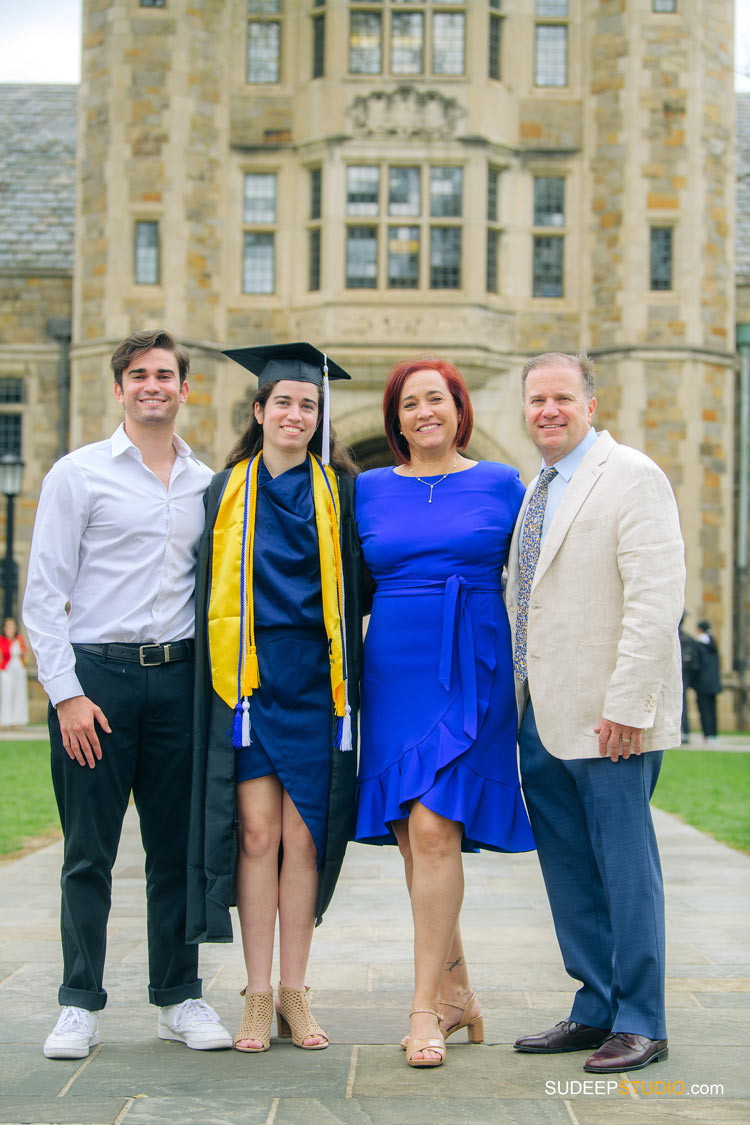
(451, 965)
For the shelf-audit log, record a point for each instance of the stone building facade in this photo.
(385, 178)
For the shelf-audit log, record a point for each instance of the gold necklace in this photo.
(440, 480)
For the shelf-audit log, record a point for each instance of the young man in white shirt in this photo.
(115, 538)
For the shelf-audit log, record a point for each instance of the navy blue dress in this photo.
(290, 713)
(438, 712)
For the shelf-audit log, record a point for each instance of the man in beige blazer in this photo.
(595, 593)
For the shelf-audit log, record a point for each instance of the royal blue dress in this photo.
(291, 710)
(438, 713)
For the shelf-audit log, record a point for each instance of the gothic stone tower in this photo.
(385, 178)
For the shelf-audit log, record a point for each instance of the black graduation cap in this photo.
(301, 362)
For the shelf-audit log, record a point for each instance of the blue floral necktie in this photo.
(531, 542)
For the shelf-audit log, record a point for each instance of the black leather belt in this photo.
(147, 655)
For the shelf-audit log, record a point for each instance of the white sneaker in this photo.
(75, 1032)
(194, 1023)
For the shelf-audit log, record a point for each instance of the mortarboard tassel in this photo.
(326, 436)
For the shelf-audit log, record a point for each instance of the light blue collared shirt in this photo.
(566, 466)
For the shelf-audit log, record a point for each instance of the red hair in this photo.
(392, 397)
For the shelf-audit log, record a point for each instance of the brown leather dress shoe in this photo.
(623, 1051)
(567, 1035)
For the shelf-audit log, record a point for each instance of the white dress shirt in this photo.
(112, 541)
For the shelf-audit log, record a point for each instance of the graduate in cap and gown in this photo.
(278, 653)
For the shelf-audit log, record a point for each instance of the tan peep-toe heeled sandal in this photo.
(256, 1021)
(474, 1026)
(294, 1019)
(414, 1045)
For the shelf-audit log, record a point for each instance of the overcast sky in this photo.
(41, 41)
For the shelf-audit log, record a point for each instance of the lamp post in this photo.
(11, 474)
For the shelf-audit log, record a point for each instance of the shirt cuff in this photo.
(62, 687)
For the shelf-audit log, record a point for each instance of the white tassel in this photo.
(245, 722)
(346, 729)
(326, 443)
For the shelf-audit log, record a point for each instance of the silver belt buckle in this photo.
(152, 663)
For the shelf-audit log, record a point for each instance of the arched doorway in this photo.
(373, 453)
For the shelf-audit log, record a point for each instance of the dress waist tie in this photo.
(457, 644)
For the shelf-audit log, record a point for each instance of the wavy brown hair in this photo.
(250, 440)
(140, 342)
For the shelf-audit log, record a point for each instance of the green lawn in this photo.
(709, 789)
(706, 788)
(27, 803)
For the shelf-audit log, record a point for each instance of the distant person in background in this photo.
(14, 694)
(707, 679)
(690, 654)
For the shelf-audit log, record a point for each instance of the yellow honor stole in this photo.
(231, 613)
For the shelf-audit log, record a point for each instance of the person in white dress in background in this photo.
(14, 692)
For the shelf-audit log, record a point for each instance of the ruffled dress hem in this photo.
(492, 812)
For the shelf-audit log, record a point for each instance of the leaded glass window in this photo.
(404, 191)
(445, 192)
(403, 257)
(263, 42)
(260, 197)
(258, 263)
(319, 46)
(448, 36)
(361, 257)
(362, 189)
(661, 257)
(147, 252)
(548, 266)
(365, 42)
(445, 257)
(551, 55)
(549, 201)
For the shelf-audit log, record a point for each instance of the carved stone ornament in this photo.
(405, 112)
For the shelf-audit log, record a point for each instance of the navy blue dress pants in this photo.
(148, 753)
(597, 849)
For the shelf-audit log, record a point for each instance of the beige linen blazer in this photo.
(607, 596)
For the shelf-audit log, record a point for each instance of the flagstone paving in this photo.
(360, 972)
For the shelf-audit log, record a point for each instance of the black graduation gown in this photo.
(212, 844)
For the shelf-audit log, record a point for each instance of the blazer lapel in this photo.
(582, 481)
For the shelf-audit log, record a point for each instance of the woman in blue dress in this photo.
(438, 770)
(278, 640)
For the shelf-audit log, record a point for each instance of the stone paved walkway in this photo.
(361, 972)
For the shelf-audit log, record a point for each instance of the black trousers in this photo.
(148, 753)
(707, 712)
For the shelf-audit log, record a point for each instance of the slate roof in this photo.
(742, 240)
(37, 176)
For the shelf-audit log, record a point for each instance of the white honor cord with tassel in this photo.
(346, 722)
(326, 436)
(346, 725)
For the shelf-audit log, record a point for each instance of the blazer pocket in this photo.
(594, 666)
(588, 526)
